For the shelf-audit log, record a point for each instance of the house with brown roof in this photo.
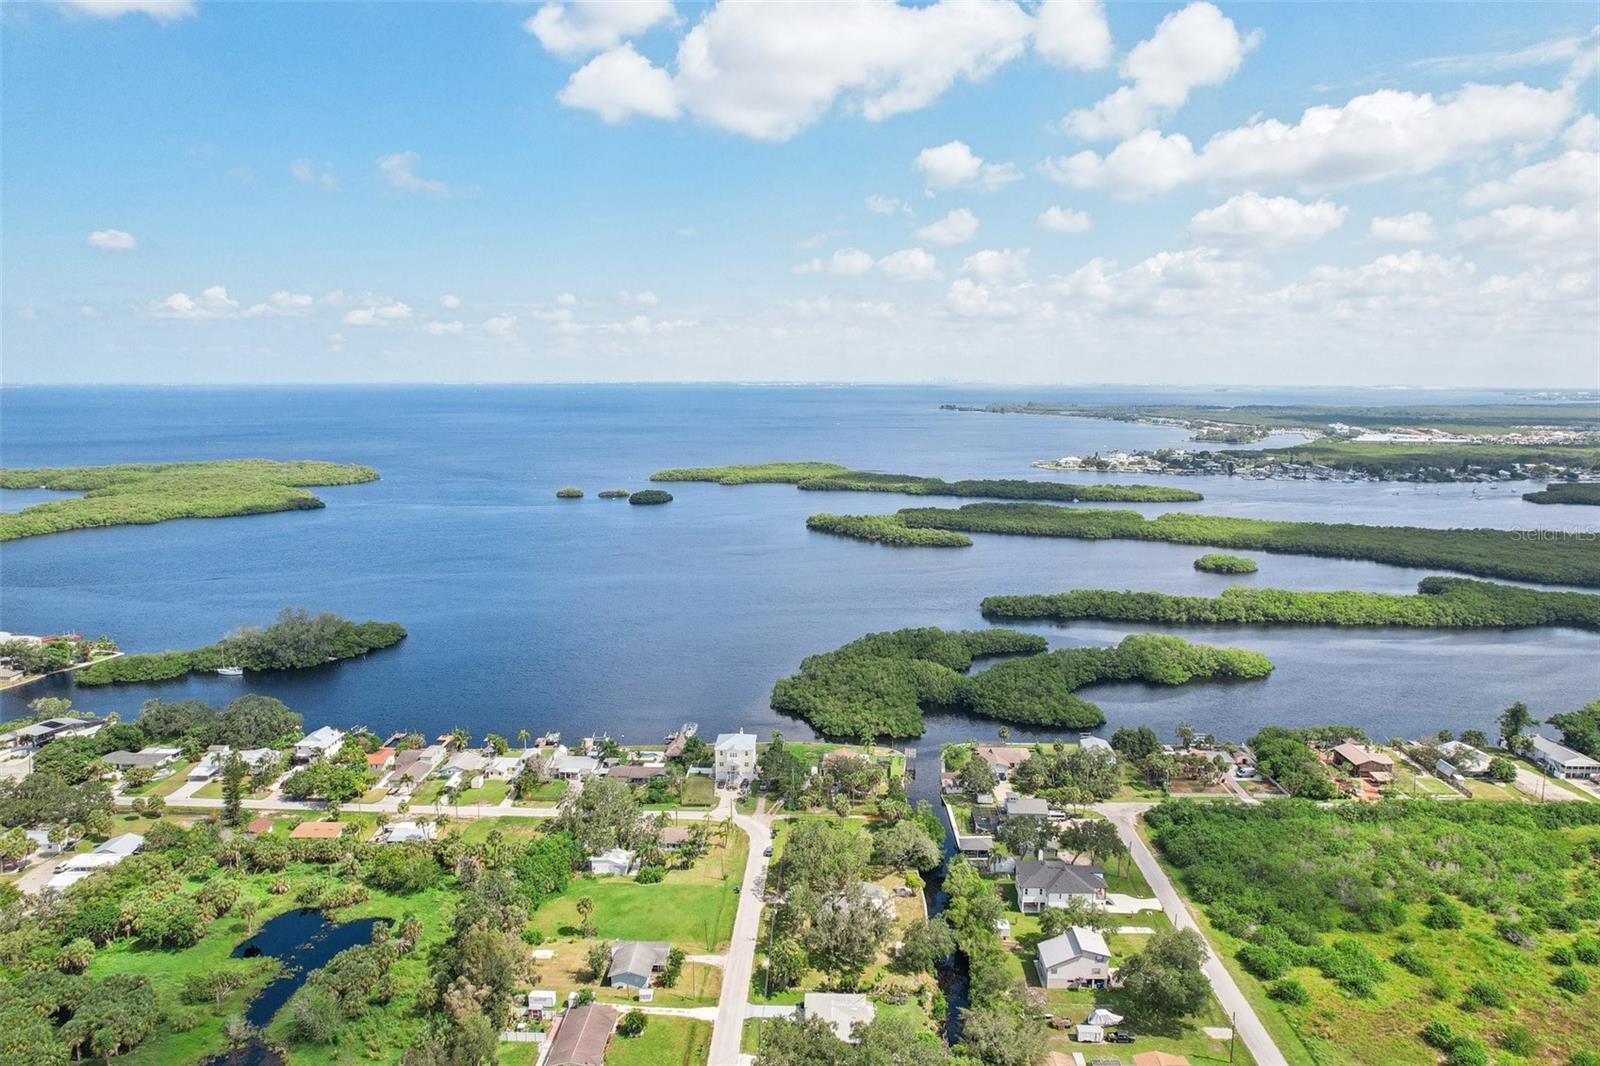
(582, 1036)
(1002, 760)
(381, 759)
(1364, 762)
(317, 831)
(258, 826)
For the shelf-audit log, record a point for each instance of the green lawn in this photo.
(699, 791)
(490, 794)
(163, 786)
(666, 1041)
(693, 908)
(546, 795)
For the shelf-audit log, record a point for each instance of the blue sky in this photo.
(827, 191)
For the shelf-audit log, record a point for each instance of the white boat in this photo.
(231, 671)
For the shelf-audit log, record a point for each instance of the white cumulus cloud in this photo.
(910, 264)
(1413, 227)
(620, 83)
(283, 303)
(377, 313)
(1064, 220)
(449, 301)
(887, 205)
(160, 10)
(954, 228)
(997, 265)
(441, 329)
(1267, 222)
(1570, 178)
(953, 165)
(580, 27)
(113, 240)
(212, 303)
(1196, 46)
(1072, 33)
(308, 173)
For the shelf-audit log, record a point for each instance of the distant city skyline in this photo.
(1179, 194)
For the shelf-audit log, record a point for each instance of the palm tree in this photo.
(522, 738)
(586, 914)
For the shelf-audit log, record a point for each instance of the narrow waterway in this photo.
(953, 971)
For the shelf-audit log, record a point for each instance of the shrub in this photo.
(1442, 914)
(1587, 951)
(1411, 961)
(1467, 1052)
(650, 875)
(1585, 1058)
(1519, 1041)
(1482, 994)
(569, 493)
(1262, 962)
(1561, 955)
(1225, 564)
(1290, 991)
(632, 1023)
(1439, 1034)
(1574, 981)
(1351, 966)
(650, 496)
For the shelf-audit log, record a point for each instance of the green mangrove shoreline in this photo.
(146, 493)
(1440, 603)
(1535, 556)
(297, 641)
(882, 684)
(1585, 493)
(831, 477)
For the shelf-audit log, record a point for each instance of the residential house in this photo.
(842, 1011)
(146, 759)
(541, 1001)
(581, 1036)
(41, 733)
(323, 742)
(1557, 760)
(406, 833)
(1051, 883)
(466, 763)
(635, 962)
(735, 759)
(258, 758)
(1002, 760)
(674, 837)
(417, 764)
(1365, 763)
(1026, 807)
(381, 760)
(1078, 958)
(985, 818)
(1468, 760)
(505, 767)
(210, 763)
(569, 767)
(617, 861)
(1093, 743)
(636, 773)
(77, 867)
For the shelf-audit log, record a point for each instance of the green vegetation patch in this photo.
(571, 492)
(1426, 462)
(143, 493)
(1587, 493)
(881, 684)
(649, 497)
(886, 529)
(1513, 554)
(613, 494)
(1415, 924)
(1440, 602)
(831, 477)
(296, 641)
(1225, 564)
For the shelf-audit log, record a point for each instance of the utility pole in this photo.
(1233, 1034)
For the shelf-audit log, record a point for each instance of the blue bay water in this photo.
(585, 616)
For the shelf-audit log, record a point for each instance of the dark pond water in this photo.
(304, 941)
(529, 612)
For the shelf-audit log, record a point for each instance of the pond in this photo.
(303, 940)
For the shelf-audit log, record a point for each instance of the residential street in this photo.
(1234, 1004)
(741, 957)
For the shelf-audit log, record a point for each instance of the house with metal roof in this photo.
(841, 1010)
(635, 962)
(1558, 760)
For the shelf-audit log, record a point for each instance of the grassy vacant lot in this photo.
(139, 494)
(693, 908)
(546, 795)
(665, 1042)
(1395, 915)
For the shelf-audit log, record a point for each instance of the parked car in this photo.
(1119, 1036)
(767, 851)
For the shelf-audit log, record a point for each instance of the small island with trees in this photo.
(296, 641)
(144, 493)
(650, 497)
(880, 685)
(613, 494)
(831, 477)
(571, 492)
(1217, 563)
